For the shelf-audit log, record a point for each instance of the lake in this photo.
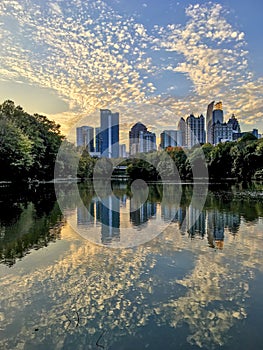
(158, 266)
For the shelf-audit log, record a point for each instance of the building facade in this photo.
(209, 122)
(147, 142)
(182, 131)
(222, 132)
(134, 137)
(170, 138)
(141, 140)
(218, 113)
(85, 137)
(122, 151)
(109, 134)
(195, 130)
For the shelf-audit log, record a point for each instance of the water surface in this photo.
(198, 284)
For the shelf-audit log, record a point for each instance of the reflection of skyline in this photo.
(106, 301)
(107, 213)
(118, 291)
(212, 222)
(146, 211)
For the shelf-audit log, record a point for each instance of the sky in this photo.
(152, 61)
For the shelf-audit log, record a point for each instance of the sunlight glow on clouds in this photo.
(94, 57)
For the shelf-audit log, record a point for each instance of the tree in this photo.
(29, 144)
(16, 156)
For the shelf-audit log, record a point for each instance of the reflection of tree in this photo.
(33, 222)
(92, 289)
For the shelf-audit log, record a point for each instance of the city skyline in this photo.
(158, 61)
(213, 129)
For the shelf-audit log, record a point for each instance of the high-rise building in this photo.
(218, 114)
(171, 138)
(235, 123)
(85, 137)
(141, 140)
(122, 151)
(236, 131)
(147, 142)
(214, 115)
(222, 132)
(182, 132)
(134, 137)
(209, 122)
(97, 140)
(109, 133)
(195, 130)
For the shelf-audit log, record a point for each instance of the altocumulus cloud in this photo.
(94, 57)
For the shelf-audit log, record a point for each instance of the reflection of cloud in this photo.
(95, 58)
(116, 292)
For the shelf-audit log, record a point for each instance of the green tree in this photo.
(16, 156)
(29, 144)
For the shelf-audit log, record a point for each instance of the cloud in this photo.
(94, 57)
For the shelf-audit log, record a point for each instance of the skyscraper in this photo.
(147, 141)
(222, 132)
(195, 130)
(134, 137)
(209, 122)
(235, 124)
(97, 140)
(170, 138)
(218, 114)
(109, 133)
(141, 140)
(85, 137)
(214, 115)
(182, 132)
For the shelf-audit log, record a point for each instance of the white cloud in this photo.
(94, 58)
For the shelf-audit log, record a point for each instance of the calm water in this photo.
(196, 284)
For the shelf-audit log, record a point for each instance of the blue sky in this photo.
(153, 61)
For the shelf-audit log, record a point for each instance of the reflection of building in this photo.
(195, 130)
(85, 137)
(215, 228)
(86, 217)
(195, 221)
(108, 213)
(232, 222)
(143, 214)
(169, 212)
(109, 133)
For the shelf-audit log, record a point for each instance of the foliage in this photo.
(28, 144)
(241, 160)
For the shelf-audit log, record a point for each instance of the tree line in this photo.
(29, 145)
(241, 160)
